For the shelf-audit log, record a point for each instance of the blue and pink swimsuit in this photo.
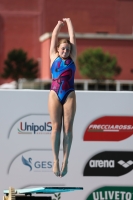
(63, 77)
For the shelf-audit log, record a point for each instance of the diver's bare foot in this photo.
(64, 169)
(56, 168)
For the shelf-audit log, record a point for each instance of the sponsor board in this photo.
(112, 193)
(109, 163)
(34, 124)
(31, 161)
(109, 128)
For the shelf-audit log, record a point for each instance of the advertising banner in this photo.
(101, 157)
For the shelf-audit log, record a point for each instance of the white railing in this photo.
(80, 84)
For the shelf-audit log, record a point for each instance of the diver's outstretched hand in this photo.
(66, 19)
(60, 23)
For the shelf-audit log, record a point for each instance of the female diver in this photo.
(62, 99)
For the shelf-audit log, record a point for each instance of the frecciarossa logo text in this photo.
(109, 163)
(109, 128)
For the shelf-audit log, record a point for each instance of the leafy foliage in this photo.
(95, 64)
(17, 65)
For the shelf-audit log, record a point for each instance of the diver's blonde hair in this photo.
(63, 41)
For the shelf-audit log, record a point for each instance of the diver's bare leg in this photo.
(69, 109)
(55, 110)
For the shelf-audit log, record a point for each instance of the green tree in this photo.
(95, 64)
(17, 65)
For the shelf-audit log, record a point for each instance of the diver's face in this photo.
(64, 50)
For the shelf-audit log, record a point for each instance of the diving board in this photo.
(44, 190)
(23, 194)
